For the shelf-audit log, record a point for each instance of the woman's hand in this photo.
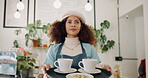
(107, 67)
(45, 68)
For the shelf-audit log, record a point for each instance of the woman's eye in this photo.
(69, 22)
(77, 22)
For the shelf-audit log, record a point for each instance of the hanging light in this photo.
(17, 14)
(57, 4)
(20, 5)
(88, 6)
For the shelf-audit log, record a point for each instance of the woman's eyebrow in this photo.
(69, 20)
(77, 20)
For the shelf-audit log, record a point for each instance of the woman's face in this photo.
(73, 26)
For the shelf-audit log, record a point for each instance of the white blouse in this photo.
(71, 47)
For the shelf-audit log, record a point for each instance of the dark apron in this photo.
(76, 59)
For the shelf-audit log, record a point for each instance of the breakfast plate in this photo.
(65, 72)
(96, 71)
(79, 75)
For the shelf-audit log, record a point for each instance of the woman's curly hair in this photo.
(57, 32)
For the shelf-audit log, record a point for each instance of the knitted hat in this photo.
(74, 13)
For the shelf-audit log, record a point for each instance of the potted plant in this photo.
(34, 33)
(102, 40)
(25, 64)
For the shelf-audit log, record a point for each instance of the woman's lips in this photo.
(73, 29)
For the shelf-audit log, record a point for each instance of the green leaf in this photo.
(26, 43)
(105, 48)
(105, 24)
(103, 38)
(26, 36)
(31, 64)
(110, 43)
(30, 26)
(15, 43)
(104, 44)
(28, 57)
(21, 66)
(37, 23)
(17, 32)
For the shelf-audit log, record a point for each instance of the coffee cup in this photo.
(63, 64)
(88, 64)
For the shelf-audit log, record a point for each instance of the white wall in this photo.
(132, 40)
(127, 38)
(6, 35)
(140, 47)
(145, 5)
(51, 14)
(106, 9)
(130, 5)
(130, 47)
(133, 23)
(1, 12)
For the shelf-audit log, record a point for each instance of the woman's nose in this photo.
(73, 25)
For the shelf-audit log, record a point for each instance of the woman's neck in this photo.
(72, 40)
(72, 36)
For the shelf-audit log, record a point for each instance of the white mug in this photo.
(64, 64)
(88, 64)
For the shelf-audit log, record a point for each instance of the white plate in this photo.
(71, 71)
(70, 75)
(93, 72)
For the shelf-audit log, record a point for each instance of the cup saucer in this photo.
(65, 72)
(96, 71)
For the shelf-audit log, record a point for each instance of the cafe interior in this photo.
(128, 21)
